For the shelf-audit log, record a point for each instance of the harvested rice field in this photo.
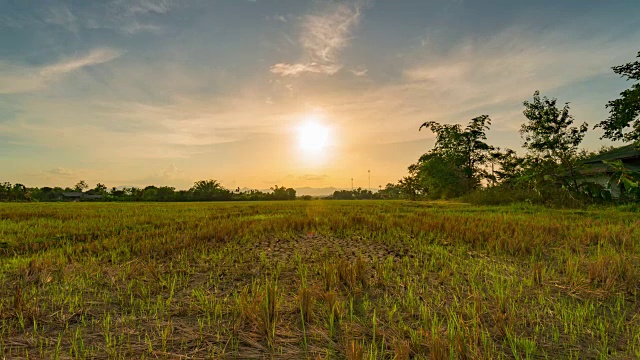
(317, 280)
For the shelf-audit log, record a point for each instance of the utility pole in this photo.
(369, 180)
(351, 184)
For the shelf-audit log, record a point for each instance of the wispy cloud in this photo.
(128, 17)
(297, 69)
(18, 78)
(147, 6)
(507, 67)
(94, 57)
(61, 16)
(359, 72)
(280, 18)
(324, 34)
(60, 171)
(171, 172)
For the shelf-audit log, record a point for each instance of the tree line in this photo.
(463, 164)
(203, 190)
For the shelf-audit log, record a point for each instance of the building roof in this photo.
(621, 153)
(630, 156)
(80, 195)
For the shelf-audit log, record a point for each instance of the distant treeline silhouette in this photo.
(204, 190)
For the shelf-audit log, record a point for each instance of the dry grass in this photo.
(346, 280)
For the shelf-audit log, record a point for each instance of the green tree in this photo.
(5, 191)
(100, 189)
(81, 186)
(465, 148)
(133, 193)
(209, 190)
(507, 167)
(343, 195)
(627, 181)
(45, 194)
(117, 194)
(391, 191)
(19, 192)
(150, 193)
(165, 193)
(283, 193)
(440, 178)
(456, 164)
(549, 137)
(623, 122)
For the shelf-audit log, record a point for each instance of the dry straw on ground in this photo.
(317, 279)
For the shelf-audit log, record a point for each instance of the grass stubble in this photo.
(317, 280)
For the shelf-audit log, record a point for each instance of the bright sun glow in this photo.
(313, 136)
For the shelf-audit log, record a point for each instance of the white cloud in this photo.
(147, 6)
(60, 171)
(171, 172)
(508, 67)
(94, 57)
(359, 72)
(328, 32)
(125, 16)
(297, 69)
(135, 27)
(17, 78)
(324, 34)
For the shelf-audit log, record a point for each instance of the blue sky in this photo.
(169, 92)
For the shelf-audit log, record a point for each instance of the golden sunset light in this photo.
(313, 136)
(319, 179)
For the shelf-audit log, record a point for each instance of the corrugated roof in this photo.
(72, 194)
(624, 152)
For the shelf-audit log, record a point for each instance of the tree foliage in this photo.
(355, 194)
(209, 190)
(15, 192)
(456, 164)
(203, 190)
(283, 193)
(550, 138)
(507, 167)
(627, 181)
(623, 122)
(465, 148)
(81, 186)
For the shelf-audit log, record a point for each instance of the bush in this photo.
(502, 195)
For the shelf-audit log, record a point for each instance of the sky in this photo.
(167, 92)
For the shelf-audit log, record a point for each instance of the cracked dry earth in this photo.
(313, 247)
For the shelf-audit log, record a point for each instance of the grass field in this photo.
(317, 279)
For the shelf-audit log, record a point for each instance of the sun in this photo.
(313, 136)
